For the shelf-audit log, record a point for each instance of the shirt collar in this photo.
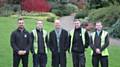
(21, 30)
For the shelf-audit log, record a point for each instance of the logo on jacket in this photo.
(25, 36)
(80, 34)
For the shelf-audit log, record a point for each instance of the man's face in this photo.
(57, 24)
(99, 26)
(77, 24)
(21, 24)
(39, 24)
(90, 26)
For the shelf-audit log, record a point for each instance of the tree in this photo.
(2, 2)
(80, 3)
(94, 4)
(115, 29)
(114, 1)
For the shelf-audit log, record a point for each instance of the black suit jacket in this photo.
(64, 41)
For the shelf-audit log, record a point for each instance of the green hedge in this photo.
(42, 16)
(81, 14)
(64, 10)
(108, 15)
(114, 30)
(8, 10)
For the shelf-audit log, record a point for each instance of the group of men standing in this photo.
(59, 41)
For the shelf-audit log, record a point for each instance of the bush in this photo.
(57, 12)
(95, 4)
(114, 30)
(51, 19)
(108, 15)
(43, 14)
(64, 1)
(8, 10)
(72, 8)
(64, 10)
(40, 16)
(81, 14)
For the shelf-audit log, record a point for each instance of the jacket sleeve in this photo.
(106, 43)
(91, 43)
(32, 41)
(46, 40)
(50, 42)
(13, 42)
(67, 41)
(86, 39)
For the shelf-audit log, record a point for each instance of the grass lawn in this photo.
(8, 24)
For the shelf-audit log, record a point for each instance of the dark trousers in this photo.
(59, 59)
(39, 60)
(103, 60)
(17, 58)
(78, 59)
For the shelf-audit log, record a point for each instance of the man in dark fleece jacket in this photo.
(20, 43)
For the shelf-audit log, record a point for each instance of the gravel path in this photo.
(67, 22)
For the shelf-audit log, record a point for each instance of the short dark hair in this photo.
(39, 20)
(57, 19)
(98, 22)
(20, 18)
(76, 20)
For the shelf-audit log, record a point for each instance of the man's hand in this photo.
(22, 52)
(98, 51)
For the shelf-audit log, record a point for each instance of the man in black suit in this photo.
(58, 44)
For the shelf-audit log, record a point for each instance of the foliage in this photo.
(8, 9)
(34, 15)
(114, 1)
(51, 19)
(59, 1)
(64, 1)
(95, 4)
(64, 10)
(108, 15)
(82, 14)
(13, 1)
(115, 29)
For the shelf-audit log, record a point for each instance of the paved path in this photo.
(67, 23)
(115, 41)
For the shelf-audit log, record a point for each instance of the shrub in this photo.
(51, 19)
(114, 30)
(95, 4)
(108, 15)
(72, 8)
(81, 14)
(64, 1)
(8, 10)
(64, 10)
(34, 15)
(57, 12)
